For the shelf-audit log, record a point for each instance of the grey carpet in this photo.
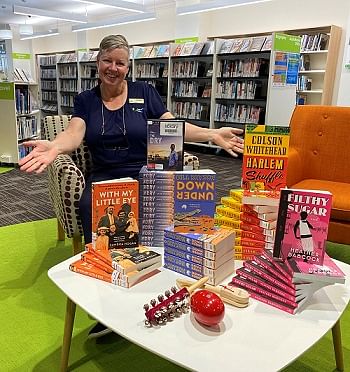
(24, 197)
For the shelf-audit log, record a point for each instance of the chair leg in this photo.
(67, 336)
(77, 244)
(338, 348)
(60, 232)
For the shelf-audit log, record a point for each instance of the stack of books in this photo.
(156, 205)
(122, 267)
(197, 254)
(285, 284)
(254, 225)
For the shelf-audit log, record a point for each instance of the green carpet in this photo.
(4, 169)
(32, 315)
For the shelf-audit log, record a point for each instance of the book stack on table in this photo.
(254, 225)
(197, 254)
(122, 267)
(285, 284)
(156, 205)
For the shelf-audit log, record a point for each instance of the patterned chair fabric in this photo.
(67, 176)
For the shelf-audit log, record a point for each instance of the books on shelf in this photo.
(264, 169)
(115, 206)
(267, 46)
(285, 284)
(194, 201)
(226, 46)
(257, 43)
(165, 143)
(302, 225)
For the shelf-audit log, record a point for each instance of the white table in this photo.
(256, 338)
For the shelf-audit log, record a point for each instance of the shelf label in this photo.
(21, 55)
(287, 43)
(7, 91)
(184, 40)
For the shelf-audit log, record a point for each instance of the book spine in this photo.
(271, 302)
(182, 238)
(268, 256)
(98, 263)
(187, 248)
(269, 267)
(241, 282)
(199, 268)
(269, 277)
(243, 256)
(248, 249)
(243, 272)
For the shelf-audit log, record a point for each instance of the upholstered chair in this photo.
(66, 182)
(319, 158)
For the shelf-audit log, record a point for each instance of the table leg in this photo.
(67, 336)
(338, 348)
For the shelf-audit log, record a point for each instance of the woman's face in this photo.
(113, 66)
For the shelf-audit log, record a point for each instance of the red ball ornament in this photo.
(207, 307)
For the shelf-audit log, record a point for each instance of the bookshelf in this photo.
(18, 104)
(87, 73)
(191, 81)
(48, 83)
(319, 58)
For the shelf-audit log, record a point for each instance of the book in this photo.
(187, 48)
(222, 237)
(267, 44)
(264, 168)
(257, 43)
(226, 46)
(165, 144)
(126, 259)
(115, 211)
(194, 201)
(246, 44)
(117, 278)
(302, 225)
(328, 272)
(197, 48)
(236, 45)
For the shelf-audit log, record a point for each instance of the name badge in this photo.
(136, 100)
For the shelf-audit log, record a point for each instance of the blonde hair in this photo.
(111, 42)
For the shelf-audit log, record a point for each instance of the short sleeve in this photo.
(155, 107)
(80, 110)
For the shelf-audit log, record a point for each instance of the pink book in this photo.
(263, 262)
(248, 274)
(268, 276)
(250, 286)
(302, 225)
(329, 272)
(279, 265)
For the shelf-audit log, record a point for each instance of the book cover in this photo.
(165, 144)
(226, 46)
(197, 49)
(187, 48)
(194, 201)
(302, 225)
(267, 44)
(115, 212)
(264, 168)
(257, 43)
(222, 237)
(236, 45)
(246, 44)
(328, 272)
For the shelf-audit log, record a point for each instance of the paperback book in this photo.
(194, 201)
(115, 208)
(165, 143)
(302, 225)
(264, 169)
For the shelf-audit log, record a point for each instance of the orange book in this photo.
(248, 249)
(94, 260)
(117, 278)
(128, 259)
(115, 206)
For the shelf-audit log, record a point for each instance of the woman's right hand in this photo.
(42, 155)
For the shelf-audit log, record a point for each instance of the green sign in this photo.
(21, 55)
(186, 40)
(82, 50)
(7, 91)
(287, 43)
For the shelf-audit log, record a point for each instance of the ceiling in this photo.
(93, 12)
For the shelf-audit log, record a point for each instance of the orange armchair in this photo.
(319, 159)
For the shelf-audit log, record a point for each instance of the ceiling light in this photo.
(22, 10)
(26, 30)
(37, 35)
(115, 22)
(214, 5)
(120, 4)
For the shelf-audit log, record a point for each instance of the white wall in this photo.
(264, 17)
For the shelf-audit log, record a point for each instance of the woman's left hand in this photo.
(226, 137)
